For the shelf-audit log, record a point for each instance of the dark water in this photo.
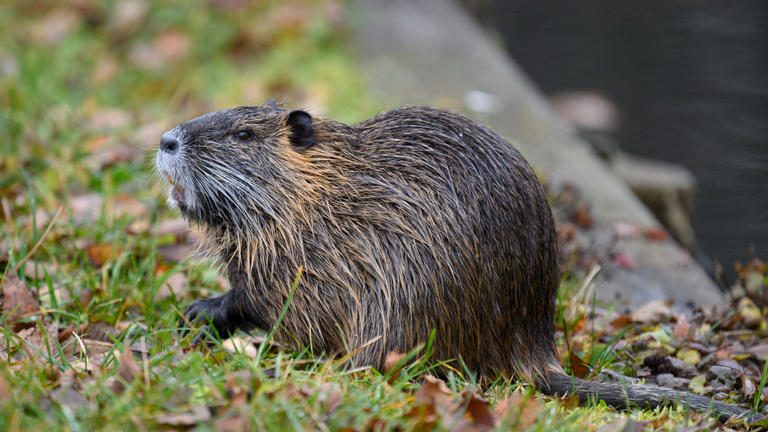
(690, 79)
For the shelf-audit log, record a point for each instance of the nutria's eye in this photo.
(244, 135)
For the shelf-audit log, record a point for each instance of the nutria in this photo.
(416, 220)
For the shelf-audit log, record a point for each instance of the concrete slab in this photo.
(432, 52)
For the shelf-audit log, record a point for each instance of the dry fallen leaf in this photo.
(18, 302)
(73, 348)
(518, 410)
(621, 321)
(681, 327)
(437, 403)
(127, 372)
(391, 360)
(330, 396)
(478, 411)
(191, 417)
(656, 234)
(240, 344)
(653, 312)
(582, 217)
(102, 252)
(579, 367)
(35, 344)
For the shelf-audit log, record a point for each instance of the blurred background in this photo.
(88, 86)
(673, 80)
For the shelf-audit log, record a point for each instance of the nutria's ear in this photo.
(271, 103)
(302, 132)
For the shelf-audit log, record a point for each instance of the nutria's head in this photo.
(232, 168)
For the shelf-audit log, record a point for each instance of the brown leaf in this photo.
(436, 402)
(433, 399)
(579, 367)
(681, 327)
(18, 302)
(100, 331)
(35, 343)
(191, 417)
(102, 252)
(391, 361)
(478, 411)
(653, 312)
(127, 372)
(73, 348)
(581, 216)
(621, 321)
(330, 396)
(521, 410)
(656, 234)
(432, 391)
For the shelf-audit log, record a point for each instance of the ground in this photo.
(96, 269)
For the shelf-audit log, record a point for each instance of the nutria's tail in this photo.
(623, 396)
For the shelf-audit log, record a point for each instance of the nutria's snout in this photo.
(170, 165)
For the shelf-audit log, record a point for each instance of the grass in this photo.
(86, 91)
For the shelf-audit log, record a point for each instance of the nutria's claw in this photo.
(213, 315)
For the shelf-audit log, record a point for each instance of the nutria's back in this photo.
(414, 220)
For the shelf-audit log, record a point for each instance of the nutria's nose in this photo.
(169, 144)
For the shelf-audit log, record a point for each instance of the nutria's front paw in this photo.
(214, 314)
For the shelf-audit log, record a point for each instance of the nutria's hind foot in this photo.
(218, 316)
